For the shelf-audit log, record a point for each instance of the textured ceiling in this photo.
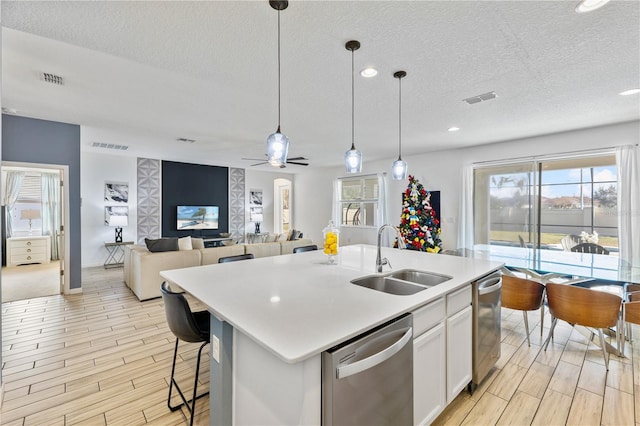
(146, 73)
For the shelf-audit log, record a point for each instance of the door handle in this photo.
(375, 359)
(490, 286)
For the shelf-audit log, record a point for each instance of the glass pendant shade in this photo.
(353, 160)
(277, 148)
(399, 169)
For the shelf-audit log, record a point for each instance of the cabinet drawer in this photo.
(458, 300)
(28, 243)
(27, 258)
(427, 316)
(35, 250)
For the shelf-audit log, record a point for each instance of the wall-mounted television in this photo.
(197, 217)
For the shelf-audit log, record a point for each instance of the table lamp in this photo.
(30, 214)
(118, 222)
(257, 218)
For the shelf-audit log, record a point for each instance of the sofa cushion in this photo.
(197, 243)
(212, 254)
(162, 244)
(185, 243)
(262, 249)
(286, 247)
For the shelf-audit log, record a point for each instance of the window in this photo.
(26, 212)
(358, 200)
(538, 203)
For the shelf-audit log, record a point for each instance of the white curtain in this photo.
(336, 210)
(628, 161)
(383, 208)
(51, 210)
(11, 192)
(465, 219)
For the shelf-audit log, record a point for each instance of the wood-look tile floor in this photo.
(96, 358)
(103, 357)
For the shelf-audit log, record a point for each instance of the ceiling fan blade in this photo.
(297, 164)
(253, 159)
(259, 164)
(298, 159)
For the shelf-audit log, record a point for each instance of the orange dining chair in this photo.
(630, 311)
(586, 307)
(523, 295)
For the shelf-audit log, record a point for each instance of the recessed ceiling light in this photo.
(369, 72)
(453, 129)
(590, 5)
(629, 92)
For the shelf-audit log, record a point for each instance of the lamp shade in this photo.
(277, 148)
(353, 161)
(30, 214)
(399, 169)
(256, 218)
(118, 221)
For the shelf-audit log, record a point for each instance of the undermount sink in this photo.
(388, 285)
(419, 277)
(403, 282)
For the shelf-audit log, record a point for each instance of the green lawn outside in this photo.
(547, 238)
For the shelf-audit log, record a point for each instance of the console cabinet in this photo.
(25, 250)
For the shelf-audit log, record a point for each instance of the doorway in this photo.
(34, 218)
(282, 217)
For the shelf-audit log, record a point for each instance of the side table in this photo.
(115, 256)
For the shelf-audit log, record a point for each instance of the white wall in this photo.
(95, 170)
(442, 171)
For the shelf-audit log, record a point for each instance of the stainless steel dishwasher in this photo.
(487, 332)
(369, 380)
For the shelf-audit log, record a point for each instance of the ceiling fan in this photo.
(298, 161)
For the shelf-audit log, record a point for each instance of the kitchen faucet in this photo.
(381, 261)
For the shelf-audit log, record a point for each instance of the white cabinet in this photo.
(25, 250)
(429, 375)
(458, 352)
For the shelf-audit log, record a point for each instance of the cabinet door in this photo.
(429, 375)
(458, 352)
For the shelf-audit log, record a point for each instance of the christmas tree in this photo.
(418, 225)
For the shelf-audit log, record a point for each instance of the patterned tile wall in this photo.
(236, 203)
(149, 190)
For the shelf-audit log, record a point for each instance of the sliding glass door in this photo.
(550, 204)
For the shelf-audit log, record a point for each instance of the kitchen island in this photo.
(273, 317)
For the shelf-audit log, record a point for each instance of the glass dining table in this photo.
(600, 267)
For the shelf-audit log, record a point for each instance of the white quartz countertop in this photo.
(298, 305)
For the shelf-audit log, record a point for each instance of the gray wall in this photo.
(29, 140)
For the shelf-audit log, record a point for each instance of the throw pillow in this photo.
(282, 237)
(161, 244)
(271, 238)
(197, 243)
(184, 243)
(292, 235)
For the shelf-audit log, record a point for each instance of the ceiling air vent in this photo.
(185, 140)
(109, 146)
(479, 98)
(53, 79)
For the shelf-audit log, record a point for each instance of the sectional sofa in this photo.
(142, 267)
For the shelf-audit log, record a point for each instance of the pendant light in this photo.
(278, 143)
(353, 157)
(399, 167)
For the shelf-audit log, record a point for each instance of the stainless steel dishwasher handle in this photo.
(373, 360)
(489, 286)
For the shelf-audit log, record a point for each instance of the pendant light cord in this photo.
(400, 119)
(353, 143)
(278, 71)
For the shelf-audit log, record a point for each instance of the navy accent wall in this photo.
(185, 184)
(29, 140)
